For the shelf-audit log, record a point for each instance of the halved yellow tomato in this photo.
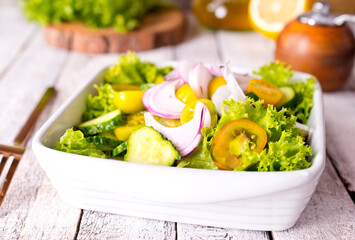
(228, 145)
(265, 90)
(214, 85)
(160, 79)
(135, 119)
(171, 123)
(129, 101)
(123, 87)
(185, 94)
(188, 112)
(122, 133)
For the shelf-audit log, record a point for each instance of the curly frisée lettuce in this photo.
(201, 157)
(287, 154)
(101, 104)
(74, 142)
(279, 74)
(122, 15)
(131, 70)
(285, 150)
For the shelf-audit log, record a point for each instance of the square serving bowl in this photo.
(245, 200)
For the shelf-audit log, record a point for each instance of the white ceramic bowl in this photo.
(244, 200)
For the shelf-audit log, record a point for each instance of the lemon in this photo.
(270, 16)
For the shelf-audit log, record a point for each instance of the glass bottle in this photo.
(222, 14)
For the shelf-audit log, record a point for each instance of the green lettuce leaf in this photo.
(304, 100)
(100, 104)
(200, 157)
(276, 72)
(285, 150)
(123, 15)
(287, 154)
(280, 75)
(271, 120)
(74, 142)
(130, 70)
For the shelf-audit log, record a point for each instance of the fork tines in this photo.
(9, 159)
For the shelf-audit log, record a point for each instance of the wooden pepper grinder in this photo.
(321, 44)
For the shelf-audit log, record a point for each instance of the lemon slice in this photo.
(270, 16)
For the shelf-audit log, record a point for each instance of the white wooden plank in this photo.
(9, 2)
(339, 109)
(24, 84)
(245, 49)
(199, 44)
(20, 196)
(187, 231)
(20, 90)
(330, 213)
(14, 34)
(49, 217)
(96, 225)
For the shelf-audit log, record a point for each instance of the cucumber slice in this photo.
(109, 134)
(120, 149)
(101, 124)
(252, 96)
(104, 143)
(288, 97)
(148, 146)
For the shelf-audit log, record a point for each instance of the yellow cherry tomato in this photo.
(188, 112)
(135, 119)
(123, 87)
(228, 145)
(214, 85)
(122, 133)
(185, 94)
(172, 123)
(129, 101)
(160, 79)
(265, 90)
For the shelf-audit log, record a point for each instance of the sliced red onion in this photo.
(184, 68)
(199, 78)
(220, 94)
(172, 75)
(161, 100)
(188, 136)
(233, 86)
(243, 80)
(215, 71)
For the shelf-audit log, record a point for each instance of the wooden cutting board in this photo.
(157, 29)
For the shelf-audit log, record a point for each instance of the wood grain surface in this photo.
(159, 29)
(32, 208)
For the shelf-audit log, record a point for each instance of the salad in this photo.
(196, 116)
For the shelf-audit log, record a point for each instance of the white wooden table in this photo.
(32, 208)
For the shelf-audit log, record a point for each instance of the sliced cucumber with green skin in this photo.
(288, 97)
(120, 149)
(108, 134)
(104, 143)
(252, 96)
(103, 123)
(148, 146)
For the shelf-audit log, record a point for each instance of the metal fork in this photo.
(10, 156)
